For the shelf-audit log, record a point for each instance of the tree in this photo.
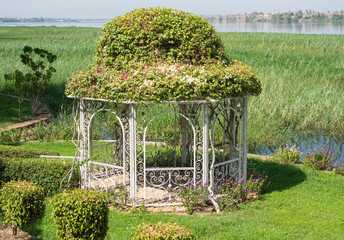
(37, 78)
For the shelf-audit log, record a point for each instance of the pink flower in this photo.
(144, 65)
(140, 42)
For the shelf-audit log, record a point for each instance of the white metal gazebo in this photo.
(150, 163)
(174, 102)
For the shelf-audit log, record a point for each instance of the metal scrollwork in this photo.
(159, 147)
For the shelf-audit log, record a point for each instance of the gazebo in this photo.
(175, 118)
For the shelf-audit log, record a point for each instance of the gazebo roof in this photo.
(161, 54)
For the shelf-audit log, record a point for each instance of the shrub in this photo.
(118, 195)
(192, 195)
(162, 231)
(162, 54)
(8, 151)
(38, 75)
(319, 158)
(236, 191)
(22, 203)
(338, 167)
(288, 155)
(156, 34)
(48, 173)
(80, 214)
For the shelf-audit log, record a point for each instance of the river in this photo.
(303, 28)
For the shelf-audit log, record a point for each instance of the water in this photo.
(95, 24)
(304, 28)
(307, 142)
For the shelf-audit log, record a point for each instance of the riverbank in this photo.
(302, 78)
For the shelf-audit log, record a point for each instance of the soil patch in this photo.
(6, 234)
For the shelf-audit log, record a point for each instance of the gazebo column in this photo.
(244, 157)
(83, 147)
(183, 124)
(205, 143)
(132, 142)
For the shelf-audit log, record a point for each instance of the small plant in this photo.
(22, 203)
(39, 131)
(338, 167)
(192, 195)
(38, 76)
(288, 155)
(172, 133)
(142, 208)
(80, 214)
(5, 136)
(163, 231)
(236, 191)
(319, 158)
(118, 195)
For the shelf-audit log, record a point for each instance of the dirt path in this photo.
(40, 118)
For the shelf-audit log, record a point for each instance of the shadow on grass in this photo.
(281, 176)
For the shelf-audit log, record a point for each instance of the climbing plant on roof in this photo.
(162, 54)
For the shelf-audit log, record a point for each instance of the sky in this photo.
(108, 9)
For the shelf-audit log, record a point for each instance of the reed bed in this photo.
(303, 76)
(303, 84)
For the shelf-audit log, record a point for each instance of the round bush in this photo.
(22, 203)
(80, 214)
(156, 34)
(163, 231)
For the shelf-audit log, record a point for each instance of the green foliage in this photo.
(22, 203)
(80, 214)
(156, 34)
(338, 167)
(118, 195)
(319, 158)
(7, 151)
(288, 155)
(164, 82)
(286, 210)
(236, 191)
(38, 75)
(48, 173)
(163, 231)
(192, 195)
(9, 111)
(64, 148)
(162, 54)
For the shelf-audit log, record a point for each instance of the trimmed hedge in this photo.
(163, 231)
(22, 203)
(80, 214)
(8, 151)
(158, 34)
(48, 173)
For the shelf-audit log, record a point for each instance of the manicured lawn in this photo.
(299, 203)
(63, 148)
(9, 111)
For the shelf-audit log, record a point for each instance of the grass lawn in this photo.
(9, 111)
(299, 203)
(63, 148)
